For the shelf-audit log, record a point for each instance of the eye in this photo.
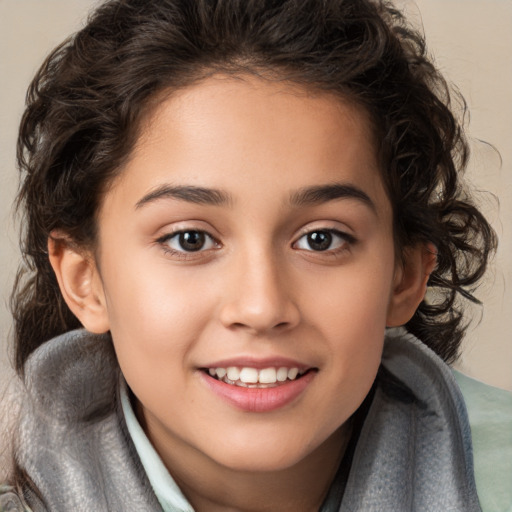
(321, 240)
(189, 241)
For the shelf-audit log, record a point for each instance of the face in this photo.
(247, 268)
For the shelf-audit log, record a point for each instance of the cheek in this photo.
(351, 317)
(156, 316)
(143, 293)
(353, 301)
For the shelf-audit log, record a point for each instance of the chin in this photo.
(267, 456)
(264, 463)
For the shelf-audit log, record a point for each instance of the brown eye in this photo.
(319, 240)
(188, 241)
(191, 241)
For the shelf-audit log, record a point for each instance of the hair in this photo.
(85, 104)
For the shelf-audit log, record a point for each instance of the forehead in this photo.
(251, 105)
(227, 131)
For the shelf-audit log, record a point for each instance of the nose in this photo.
(259, 296)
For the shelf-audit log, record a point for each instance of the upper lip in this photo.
(258, 363)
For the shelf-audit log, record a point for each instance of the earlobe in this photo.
(79, 282)
(410, 283)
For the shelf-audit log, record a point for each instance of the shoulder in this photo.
(490, 419)
(10, 501)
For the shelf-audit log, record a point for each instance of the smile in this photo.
(249, 377)
(263, 389)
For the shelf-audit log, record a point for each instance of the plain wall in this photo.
(472, 44)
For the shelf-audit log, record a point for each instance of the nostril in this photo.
(241, 325)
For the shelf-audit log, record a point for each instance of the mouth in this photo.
(259, 387)
(249, 377)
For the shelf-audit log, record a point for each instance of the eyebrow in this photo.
(324, 193)
(306, 196)
(189, 193)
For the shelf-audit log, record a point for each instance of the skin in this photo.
(257, 289)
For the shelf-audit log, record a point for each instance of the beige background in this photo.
(472, 43)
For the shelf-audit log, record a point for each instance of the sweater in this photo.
(413, 451)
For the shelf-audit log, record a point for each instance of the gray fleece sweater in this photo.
(413, 452)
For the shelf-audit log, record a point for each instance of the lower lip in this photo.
(259, 399)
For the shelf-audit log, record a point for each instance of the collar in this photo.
(167, 491)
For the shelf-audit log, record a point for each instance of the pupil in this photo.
(320, 240)
(192, 240)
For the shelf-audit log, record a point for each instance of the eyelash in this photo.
(344, 239)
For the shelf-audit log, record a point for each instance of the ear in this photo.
(79, 282)
(410, 283)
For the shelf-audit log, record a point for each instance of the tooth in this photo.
(211, 371)
(282, 374)
(221, 372)
(292, 373)
(268, 376)
(233, 373)
(248, 375)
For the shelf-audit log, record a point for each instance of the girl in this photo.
(227, 203)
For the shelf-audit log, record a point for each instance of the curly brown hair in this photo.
(85, 105)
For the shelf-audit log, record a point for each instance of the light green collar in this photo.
(166, 490)
(490, 418)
